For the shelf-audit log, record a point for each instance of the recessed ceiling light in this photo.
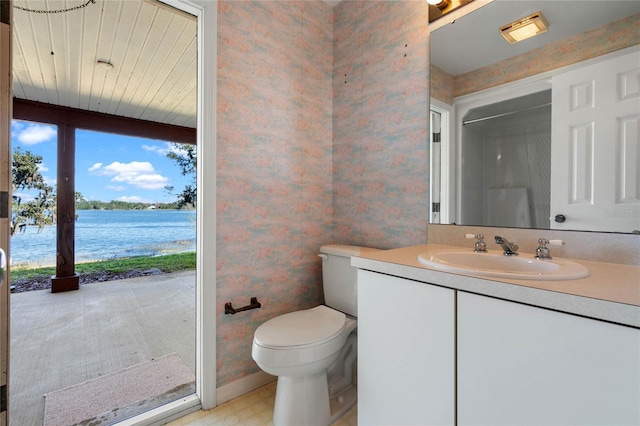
(524, 28)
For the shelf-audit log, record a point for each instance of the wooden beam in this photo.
(100, 122)
(65, 278)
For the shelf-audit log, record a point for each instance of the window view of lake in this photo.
(110, 234)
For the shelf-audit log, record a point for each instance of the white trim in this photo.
(206, 227)
(245, 384)
(165, 413)
(447, 153)
(205, 397)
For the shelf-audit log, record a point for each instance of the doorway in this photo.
(205, 273)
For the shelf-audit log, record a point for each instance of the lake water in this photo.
(111, 234)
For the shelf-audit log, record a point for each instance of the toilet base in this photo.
(302, 401)
(318, 399)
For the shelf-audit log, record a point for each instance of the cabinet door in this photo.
(405, 352)
(521, 365)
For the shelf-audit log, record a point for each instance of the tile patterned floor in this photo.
(252, 409)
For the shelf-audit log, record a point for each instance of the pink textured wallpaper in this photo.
(380, 123)
(274, 165)
(597, 42)
(322, 138)
(441, 85)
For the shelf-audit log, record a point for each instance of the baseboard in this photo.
(246, 384)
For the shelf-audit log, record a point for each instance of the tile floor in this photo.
(252, 409)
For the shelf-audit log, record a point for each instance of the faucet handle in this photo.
(543, 252)
(481, 246)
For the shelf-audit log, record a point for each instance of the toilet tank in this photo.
(339, 278)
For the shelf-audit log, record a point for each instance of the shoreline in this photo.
(36, 265)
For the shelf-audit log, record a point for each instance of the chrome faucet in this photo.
(510, 249)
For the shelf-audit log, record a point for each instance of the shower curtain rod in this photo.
(475, 120)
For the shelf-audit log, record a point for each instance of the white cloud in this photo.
(134, 199)
(42, 168)
(118, 188)
(137, 173)
(33, 134)
(158, 150)
(95, 167)
(163, 151)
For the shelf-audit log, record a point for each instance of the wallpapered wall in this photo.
(597, 42)
(274, 165)
(322, 138)
(380, 123)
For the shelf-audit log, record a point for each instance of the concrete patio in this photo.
(62, 339)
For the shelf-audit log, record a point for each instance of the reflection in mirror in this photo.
(506, 152)
(544, 132)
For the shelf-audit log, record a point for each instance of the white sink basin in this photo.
(495, 264)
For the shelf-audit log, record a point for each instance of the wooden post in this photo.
(65, 279)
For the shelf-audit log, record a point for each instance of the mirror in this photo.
(504, 166)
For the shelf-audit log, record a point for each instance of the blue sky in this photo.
(108, 167)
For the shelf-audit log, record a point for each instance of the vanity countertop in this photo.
(610, 293)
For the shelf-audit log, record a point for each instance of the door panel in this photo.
(595, 146)
(5, 196)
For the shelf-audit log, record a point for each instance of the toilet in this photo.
(313, 351)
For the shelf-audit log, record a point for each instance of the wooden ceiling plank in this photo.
(58, 35)
(177, 49)
(121, 99)
(74, 41)
(181, 82)
(129, 12)
(22, 84)
(89, 40)
(32, 64)
(183, 114)
(149, 62)
(108, 26)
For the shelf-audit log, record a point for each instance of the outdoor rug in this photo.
(114, 397)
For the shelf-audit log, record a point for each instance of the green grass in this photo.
(166, 263)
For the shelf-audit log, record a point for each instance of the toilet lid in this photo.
(301, 328)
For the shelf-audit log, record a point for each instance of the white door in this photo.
(596, 146)
(5, 189)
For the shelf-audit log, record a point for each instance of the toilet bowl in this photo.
(308, 351)
(313, 351)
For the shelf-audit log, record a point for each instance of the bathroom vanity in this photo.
(442, 348)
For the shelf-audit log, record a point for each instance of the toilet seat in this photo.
(291, 344)
(296, 330)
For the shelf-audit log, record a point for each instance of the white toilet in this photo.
(313, 352)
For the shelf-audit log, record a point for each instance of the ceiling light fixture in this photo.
(524, 28)
(440, 4)
(104, 64)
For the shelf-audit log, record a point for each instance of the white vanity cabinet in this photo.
(406, 355)
(435, 355)
(523, 365)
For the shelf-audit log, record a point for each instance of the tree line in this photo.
(123, 205)
(40, 210)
